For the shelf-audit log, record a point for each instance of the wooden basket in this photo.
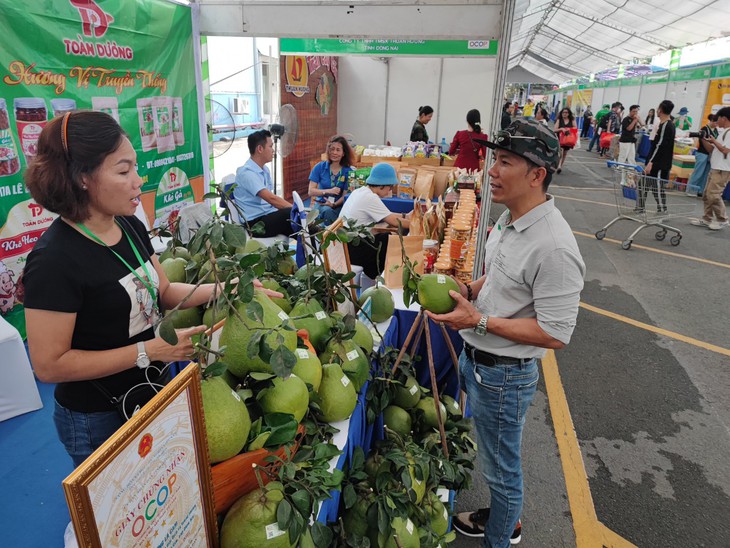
(235, 477)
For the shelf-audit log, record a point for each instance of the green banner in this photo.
(693, 73)
(132, 59)
(347, 46)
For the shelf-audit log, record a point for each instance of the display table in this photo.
(18, 391)
(642, 152)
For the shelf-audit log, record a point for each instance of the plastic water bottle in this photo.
(444, 145)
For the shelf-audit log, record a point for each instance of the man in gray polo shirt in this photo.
(527, 301)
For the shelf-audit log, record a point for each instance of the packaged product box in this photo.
(423, 187)
(162, 109)
(406, 183)
(109, 105)
(146, 115)
(178, 126)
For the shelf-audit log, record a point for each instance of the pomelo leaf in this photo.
(253, 344)
(210, 196)
(167, 331)
(284, 514)
(216, 235)
(215, 369)
(322, 535)
(302, 501)
(281, 435)
(326, 451)
(255, 311)
(248, 261)
(234, 235)
(349, 496)
(282, 361)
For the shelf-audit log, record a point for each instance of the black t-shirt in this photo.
(627, 136)
(67, 272)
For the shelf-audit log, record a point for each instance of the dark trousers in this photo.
(656, 181)
(275, 223)
(371, 259)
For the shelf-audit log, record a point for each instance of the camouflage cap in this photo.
(530, 139)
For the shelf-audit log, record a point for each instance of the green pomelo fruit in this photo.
(206, 273)
(437, 513)
(354, 362)
(288, 395)
(355, 519)
(287, 266)
(308, 367)
(227, 422)
(452, 407)
(428, 406)
(433, 293)
(236, 334)
(382, 302)
(372, 467)
(363, 337)
(188, 317)
(317, 325)
(251, 522)
(215, 313)
(178, 252)
(283, 302)
(337, 394)
(304, 272)
(419, 486)
(408, 395)
(175, 269)
(253, 246)
(231, 379)
(398, 420)
(306, 540)
(405, 531)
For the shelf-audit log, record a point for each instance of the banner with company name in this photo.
(351, 46)
(132, 59)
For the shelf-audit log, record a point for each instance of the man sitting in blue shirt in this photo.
(253, 192)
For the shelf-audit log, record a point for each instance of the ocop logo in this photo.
(478, 44)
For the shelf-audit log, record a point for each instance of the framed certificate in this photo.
(150, 483)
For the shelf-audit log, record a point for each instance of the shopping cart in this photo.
(632, 190)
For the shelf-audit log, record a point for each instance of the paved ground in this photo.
(649, 407)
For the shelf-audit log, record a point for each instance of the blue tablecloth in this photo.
(644, 147)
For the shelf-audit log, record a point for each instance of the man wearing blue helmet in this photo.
(365, 206)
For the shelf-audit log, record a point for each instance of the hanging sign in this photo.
(349, 46)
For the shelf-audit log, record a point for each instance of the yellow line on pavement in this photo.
(657, 330)
(589, 532)
(655, 250)
(583, 200)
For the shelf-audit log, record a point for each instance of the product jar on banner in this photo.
(30, 118)
(9, 161)
(62, 106)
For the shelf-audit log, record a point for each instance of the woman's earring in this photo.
(83, 186)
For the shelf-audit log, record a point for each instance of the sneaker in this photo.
(472, 524)
(717, 225)
(701, 222)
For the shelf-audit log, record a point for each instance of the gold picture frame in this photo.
(337, 256)
(150, 483)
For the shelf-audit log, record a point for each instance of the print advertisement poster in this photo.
(132, 59)
(718, 96)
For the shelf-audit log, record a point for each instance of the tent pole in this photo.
(508, 13)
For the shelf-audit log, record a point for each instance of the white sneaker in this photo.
(718, 225)
(701, 222)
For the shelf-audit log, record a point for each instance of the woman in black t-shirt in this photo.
(93, 287)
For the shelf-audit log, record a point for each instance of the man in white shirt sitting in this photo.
(365, 206)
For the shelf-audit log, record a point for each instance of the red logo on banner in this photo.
(94, 20)
(145, 445)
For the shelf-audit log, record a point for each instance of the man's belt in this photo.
(489, 359)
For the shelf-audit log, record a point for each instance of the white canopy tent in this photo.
(561, 39)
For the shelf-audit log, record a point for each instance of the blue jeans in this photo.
(499, 397)
(698, 179)
(594, 140)
(326, 213)
(83, 433)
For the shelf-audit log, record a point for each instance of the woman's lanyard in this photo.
(146, 282)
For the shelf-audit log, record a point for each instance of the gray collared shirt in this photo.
(534, 270)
